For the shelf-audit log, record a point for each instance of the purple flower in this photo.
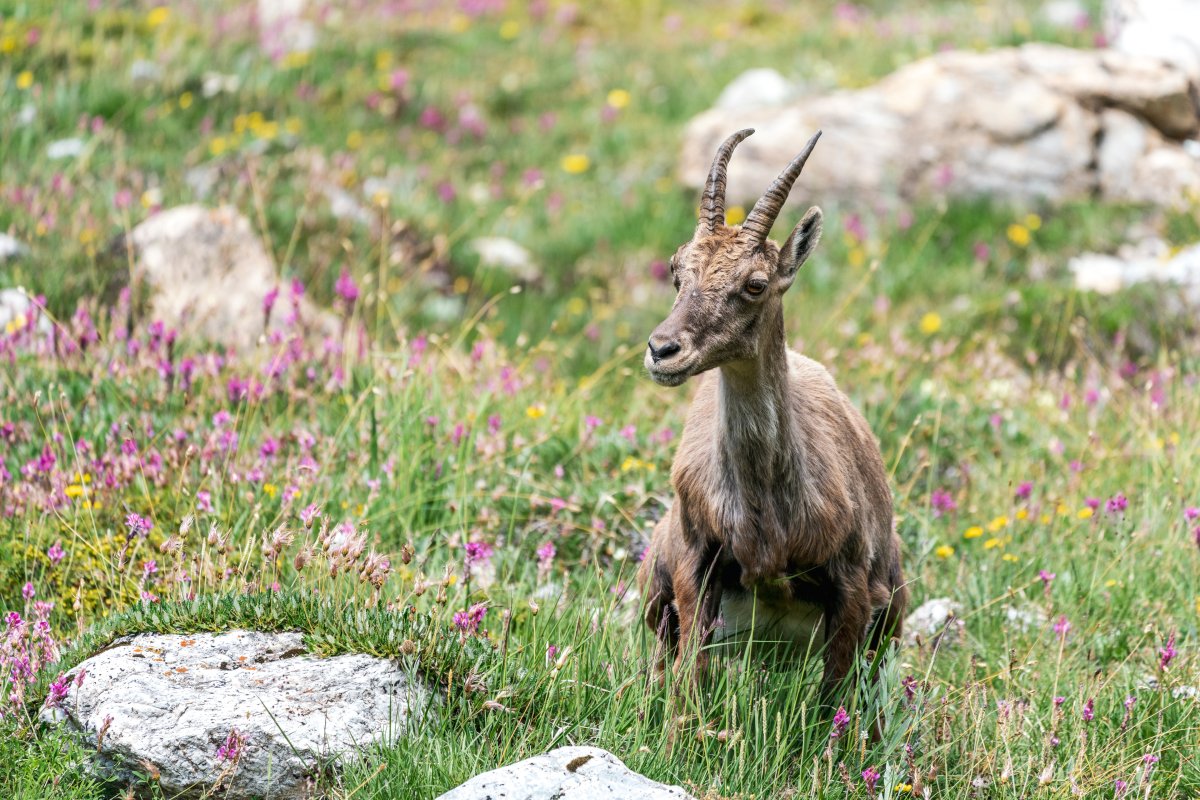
(1116, 504)
(546, 552)
(1046, 577)
(233, 746)
(138, 525)
(346, 288)
(468, 621)
(909, 683)
(841, 721)
(942, 502)
(27, 591)
(309, 513)
(551, 652)
(58, 691)
(870, 777)
(1089, 710)
(1025, 490)
(478, 552)
(1149, 759)
(14, 620)
(1119, 788)
(1191, 512)
(1165, 654)
(149, 567)
(56, 553)
(1062, 626)
(1059, 700)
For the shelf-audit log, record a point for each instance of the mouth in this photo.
(669, 377)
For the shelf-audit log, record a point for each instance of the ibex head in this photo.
(729, 279)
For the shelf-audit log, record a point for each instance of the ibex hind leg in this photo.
(889, 619)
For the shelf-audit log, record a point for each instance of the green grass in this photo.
(517, 419)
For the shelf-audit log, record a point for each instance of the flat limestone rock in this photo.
(568, 773)
(1017, 123)
(172, 701)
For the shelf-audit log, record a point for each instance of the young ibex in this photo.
(782, 496)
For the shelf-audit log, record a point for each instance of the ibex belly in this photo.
(747, 614)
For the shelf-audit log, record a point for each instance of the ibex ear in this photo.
(799, 245)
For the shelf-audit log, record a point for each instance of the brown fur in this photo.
(779, 481)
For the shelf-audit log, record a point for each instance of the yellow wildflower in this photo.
(185, 100)
(1032, 221)
(1085, 513)
(931, 323)
(295, 60)
(945, 551)
(510, 29)
(576, 163)
(73, 490)
(270, 490)
(217, 146)
(25, 80)
(1009, 557)
(354, 140)
(735, 215)
(993, 542)
(1019, 235)
(997, 523)
(973, 532)
(904, 788)
(576, 306)
(157, 17)
(619, 98)
(536, 411)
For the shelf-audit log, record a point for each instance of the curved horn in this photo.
(712, 203)
(758, 223)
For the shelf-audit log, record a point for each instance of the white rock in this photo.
(208, 273)
(1064, 13)
(145, 72)
(1026, 618)
(755, 88)
(1150, 260)
(11, 248)
(1023, 123)
(1163, 29)
(568, 773)
(64, 148)
(497, 251)
(173, 701)
(16, 309)
(934, 622)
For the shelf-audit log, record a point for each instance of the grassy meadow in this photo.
(466, 478)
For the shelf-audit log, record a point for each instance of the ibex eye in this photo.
(756, 287)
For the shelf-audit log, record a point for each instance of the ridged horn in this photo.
(758, 223)
(712, 202)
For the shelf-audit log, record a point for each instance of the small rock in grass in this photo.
(175, 701)
(498, 251)
(1026, 618)
(568, 773)
(755, 88)
(934, 622)
(65, 148)
(11, 248)
(17, 309)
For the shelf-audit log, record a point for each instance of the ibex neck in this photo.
(755, 420)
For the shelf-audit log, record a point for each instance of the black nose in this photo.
(665, 350)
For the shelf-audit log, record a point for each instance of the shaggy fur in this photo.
(781, 489)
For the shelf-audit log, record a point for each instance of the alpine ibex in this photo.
(782, 496)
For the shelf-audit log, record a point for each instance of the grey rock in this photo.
(755, 88)
(1024, 123)
(209, 273)
(934, 622)
(1026, 617)
(172, 701)
(64, 148)
(568, 773)
(144, 73)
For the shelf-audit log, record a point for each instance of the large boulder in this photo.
(1036, 121)
(568, 773)
(209, 275)
(1164, 29)
(172, 702)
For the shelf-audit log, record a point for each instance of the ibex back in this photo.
(781, 492)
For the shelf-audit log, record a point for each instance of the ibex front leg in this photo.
(698, 602)
(847, 614)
